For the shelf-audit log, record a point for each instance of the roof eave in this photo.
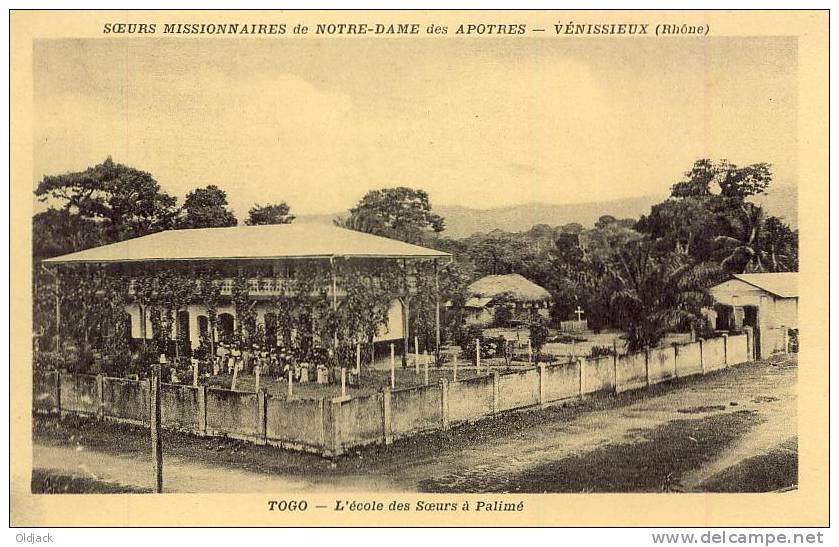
(764, 289)
(59, 260)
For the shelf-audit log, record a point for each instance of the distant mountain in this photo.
(782, 201)
(465, 221)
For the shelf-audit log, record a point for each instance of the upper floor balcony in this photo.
(258, 287)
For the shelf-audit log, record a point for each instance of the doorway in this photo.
(751, 318)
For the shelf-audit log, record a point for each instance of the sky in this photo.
(482, 123)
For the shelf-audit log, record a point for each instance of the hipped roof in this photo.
(276, 241)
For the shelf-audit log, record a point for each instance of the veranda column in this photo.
(436, 310)
(194, 331)
(57, 306)
(406, 316)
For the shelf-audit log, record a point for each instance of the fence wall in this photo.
(45, 391)
(180, 407)
(416, 409)
(713, 353)
(331, 426)
(295, 423)
(738, 349)
(561, 382)
(233, 413)
(689, 359)
(631, 371)
(470, 399)
(598, 374)
(126, 399)
(80, 393)
(356, 421)
(661, 363)
(517, 390)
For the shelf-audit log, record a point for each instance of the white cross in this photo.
(579, 311)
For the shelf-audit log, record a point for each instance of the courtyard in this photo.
(731, 430)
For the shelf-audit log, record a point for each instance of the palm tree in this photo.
(757, 243)
(653, 294)
(741, 251)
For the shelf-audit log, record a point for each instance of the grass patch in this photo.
(701, 409)
(775, 470)
(48, 481)
(654, 464)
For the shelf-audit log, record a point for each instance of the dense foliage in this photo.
(647, 276)
(272, 213)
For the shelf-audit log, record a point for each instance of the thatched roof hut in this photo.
(510, 287)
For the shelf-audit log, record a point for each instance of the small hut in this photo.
(521, 296)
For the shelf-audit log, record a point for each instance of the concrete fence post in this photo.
(392, 366)
(581, 364)
(335, 433)
(750, 343)
(261, 417)
(100, 396)
(329, 436)
(541, 383)
(444, 403)
(725, 349)
(148, 390)
(495, 404)
(324, 425)
(701, 354)
(675, 360)
(202, 410)
(387, 416)
(615, 373)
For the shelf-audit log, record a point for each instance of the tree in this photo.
(687, 226)
(757, 243)
(209, 293)
(780, 245)
(651, 294)
(126, 201)
(494, 253)
(539, 333)
(206, 208)
(733, 181)
(58, 231)
(709, 217)
(697, 181)
(273, 213)
(399, 213)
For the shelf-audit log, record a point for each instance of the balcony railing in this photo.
(257, 286)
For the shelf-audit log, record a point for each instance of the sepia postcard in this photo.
(419, 268)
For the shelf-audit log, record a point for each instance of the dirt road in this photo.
(704, 433)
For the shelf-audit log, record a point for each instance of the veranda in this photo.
(282, 298)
